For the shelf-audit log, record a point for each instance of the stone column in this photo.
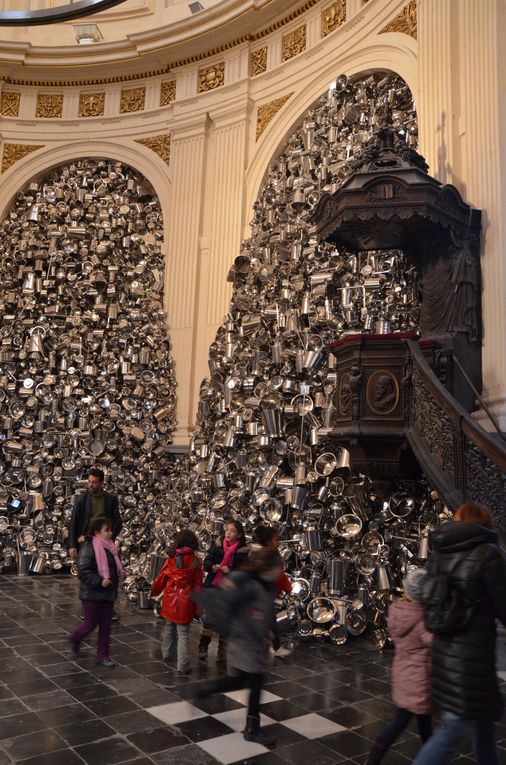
(462, 110)
(188, 156)
(223, 225)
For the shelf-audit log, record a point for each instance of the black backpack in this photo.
(447, 610)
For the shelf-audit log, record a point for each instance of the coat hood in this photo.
(403, 615)
(458, 536)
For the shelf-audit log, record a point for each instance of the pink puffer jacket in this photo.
(411, 670)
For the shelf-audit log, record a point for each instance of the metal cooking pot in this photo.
(349, 526)
(286, 619)
(301, 588)
(338, 634)
(321, 610)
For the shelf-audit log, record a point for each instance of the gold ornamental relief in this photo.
(91, 104)
(266, 112)
(132, 100)
(167, 92)
(258, 62)
(405, 22)
(13, 152)
(293, 43)
(49, 105)
(333, 17)
(160, 144)
(211, 77)
(9, 106)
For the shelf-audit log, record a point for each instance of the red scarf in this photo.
(100, 545)
(228, 558)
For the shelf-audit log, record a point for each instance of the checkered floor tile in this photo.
(224, 741)
(325, 705)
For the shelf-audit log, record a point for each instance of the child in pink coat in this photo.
(411, 670)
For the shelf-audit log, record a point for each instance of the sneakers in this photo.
(115, 617)
(184, 671)
(283, 652)
(109, 663)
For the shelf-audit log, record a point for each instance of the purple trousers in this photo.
(96, 612)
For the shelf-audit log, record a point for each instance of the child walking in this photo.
(99, 570)
(250, 632)
(223, 557)
(180, 576)
(268, 536)
(411, 670)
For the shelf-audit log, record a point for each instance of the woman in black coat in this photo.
(228, 554)
(99, 570)
(464, 681)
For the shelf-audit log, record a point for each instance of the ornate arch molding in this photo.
(399, 59)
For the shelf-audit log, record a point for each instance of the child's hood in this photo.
(403, 615)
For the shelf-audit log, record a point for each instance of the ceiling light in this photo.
(87, 34)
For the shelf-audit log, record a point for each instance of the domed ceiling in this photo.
(133, 35)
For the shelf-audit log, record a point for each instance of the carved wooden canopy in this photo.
(389, 201)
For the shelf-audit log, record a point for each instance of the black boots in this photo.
(221, 656)
(203, 647)
(375, 755)
(253, 732)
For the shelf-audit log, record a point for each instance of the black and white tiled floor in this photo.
(324, 705)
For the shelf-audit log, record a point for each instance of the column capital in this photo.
(233, 112)
(189, 126)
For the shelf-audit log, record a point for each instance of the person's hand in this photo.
(73, 552)
(106, 582)
(224, 569)
(216, 568)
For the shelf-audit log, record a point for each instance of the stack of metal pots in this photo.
(86, 375)
(262, 451)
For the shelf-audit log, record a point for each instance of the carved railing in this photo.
(460, 459)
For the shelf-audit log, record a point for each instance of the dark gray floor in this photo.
(325, 708)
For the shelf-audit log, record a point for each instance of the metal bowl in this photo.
(338, 634)
(401, 505)
(325, 464)
(356, 621)
(365, 564)
(371, 542)
(271, 510)
(349, 526)
(321, 610)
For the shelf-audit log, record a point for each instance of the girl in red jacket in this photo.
(181, 574)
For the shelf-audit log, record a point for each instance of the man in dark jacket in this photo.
(95, 503)
(464, 681)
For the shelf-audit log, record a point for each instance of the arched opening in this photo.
(86, 368)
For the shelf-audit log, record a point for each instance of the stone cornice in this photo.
(138, 56)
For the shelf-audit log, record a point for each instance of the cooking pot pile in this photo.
(262, 451)
(86, 375)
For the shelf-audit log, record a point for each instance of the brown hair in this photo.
(265, 535)
(473, 512)
(97, 525)
(262, 560)
(184, 538)
(239, 528)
